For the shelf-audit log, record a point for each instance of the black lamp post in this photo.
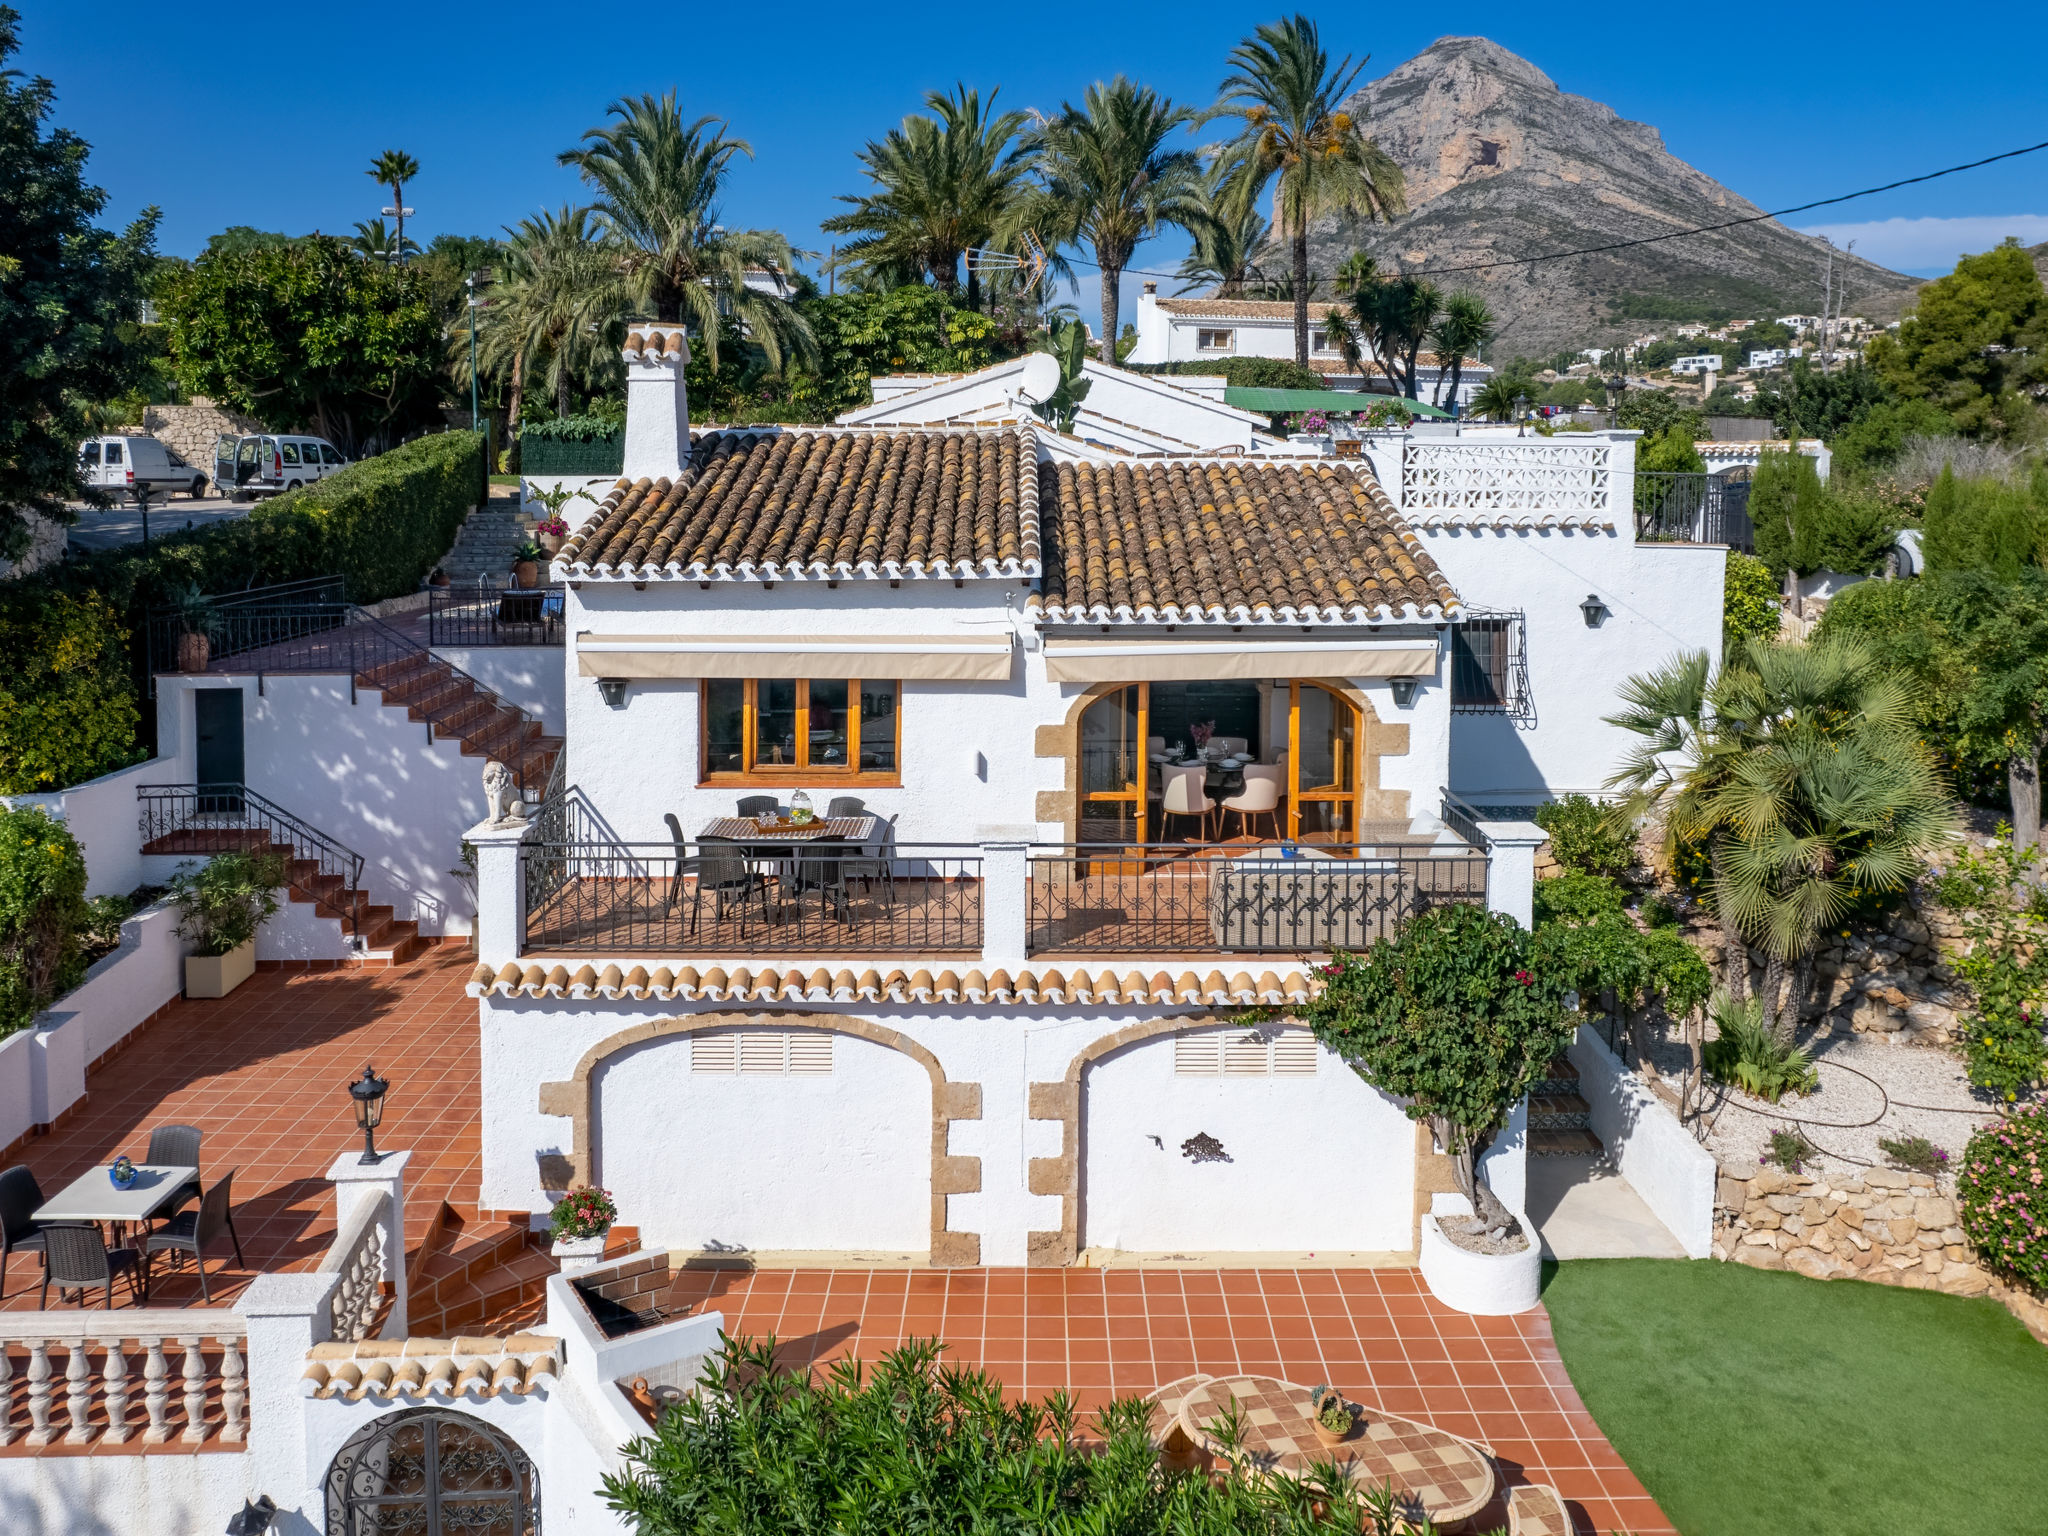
(1615, 386)
(1522, 415)
(368, 1092)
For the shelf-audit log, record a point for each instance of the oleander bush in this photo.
(222, 902)
(2003, 1191)
(43, 914)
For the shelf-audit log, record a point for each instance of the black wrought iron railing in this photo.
(1693, 509)
(205, 819)
(488, 614)
(1463, 819)
(1178, 898)
(599, 895)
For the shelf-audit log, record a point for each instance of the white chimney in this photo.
(657, 401)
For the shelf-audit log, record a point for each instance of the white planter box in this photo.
(573, 1255)
(1486, 1284)
(218, 975)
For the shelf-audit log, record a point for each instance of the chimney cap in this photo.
(1151, 286)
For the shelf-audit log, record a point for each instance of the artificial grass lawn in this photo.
(1759, 1403)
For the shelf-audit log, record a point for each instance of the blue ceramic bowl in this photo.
(114, 1176)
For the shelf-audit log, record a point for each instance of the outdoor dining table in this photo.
(1437, 1476)
(93, 1197)
(769, 849)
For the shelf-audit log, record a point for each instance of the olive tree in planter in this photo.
(221, 904)
(1456, 1017)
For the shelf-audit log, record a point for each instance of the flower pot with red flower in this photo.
(549, 533)
(579, 1223)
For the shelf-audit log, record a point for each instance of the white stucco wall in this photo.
(363, 773)
(1672, 1172)
(103, 815)
(528, 677)
(1292, 1142)
(108, 1494)
(1663, 599)
(840, 1161)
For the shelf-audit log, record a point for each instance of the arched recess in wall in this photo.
(1332, 736)
(576, 1098)
(1197, 1145)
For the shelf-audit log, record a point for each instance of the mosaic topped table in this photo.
(1437, 1475)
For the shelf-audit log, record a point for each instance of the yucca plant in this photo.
(1748, 1055)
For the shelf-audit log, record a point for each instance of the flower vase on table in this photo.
(122, 1173)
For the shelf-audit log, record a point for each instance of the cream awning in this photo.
(1194, 661)
(931, 658)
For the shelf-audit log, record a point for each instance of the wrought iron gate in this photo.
(432, 1472)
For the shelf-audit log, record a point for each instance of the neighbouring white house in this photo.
(1698, 362)
(1198, 330)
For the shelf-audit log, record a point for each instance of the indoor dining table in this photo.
(93, 1197)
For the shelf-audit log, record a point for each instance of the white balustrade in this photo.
(1533, 476)
(358, 1257)
(97, 1348)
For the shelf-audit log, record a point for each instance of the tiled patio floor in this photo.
(264, 1073)
(1377, 1334)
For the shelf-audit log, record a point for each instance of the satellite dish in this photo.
(1041, 378)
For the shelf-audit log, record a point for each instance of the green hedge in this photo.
(73, 708)
(1242, 372)
(558, 456)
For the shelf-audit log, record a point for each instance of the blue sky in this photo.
(266, 114)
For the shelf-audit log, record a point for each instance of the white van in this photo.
(267, 463)
(129, 463)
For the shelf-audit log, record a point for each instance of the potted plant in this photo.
(549, 533)
(221, 904)
(122, 1174)
(195, 630)
(1332, 1416)
(526, 561)
(439, 578)
(579, 1223)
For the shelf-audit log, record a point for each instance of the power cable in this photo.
(1676, 234)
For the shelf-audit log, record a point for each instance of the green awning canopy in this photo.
(1330, 402)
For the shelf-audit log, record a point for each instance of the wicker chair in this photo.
(720, 869)
(77, 1259)
(757, 805)
(176, 1146)
(191, 1232)
(846, 805)
(20, 1198)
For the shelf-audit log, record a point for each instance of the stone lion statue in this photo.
(501, 795)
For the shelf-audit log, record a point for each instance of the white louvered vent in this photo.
(1197, 1055)
(1246, 1055)
(1294, 1054)
(763, 1053)
(714, 1053)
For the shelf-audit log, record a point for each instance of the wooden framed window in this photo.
(1216, 341)
(1489, 665)
(774, 729)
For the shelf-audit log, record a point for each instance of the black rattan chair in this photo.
(20, 1198)
(846, 805)
(875, 864)
(176, 1146)
(756, 805)
(191, 1232)
(821, 867)
(721, 870)
(77, 1259)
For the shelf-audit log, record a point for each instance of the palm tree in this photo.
(373, 240)
(1228, 231)
(554, 305)
(1465, 325)
(947, 184)
(1289, 98)
(658, 181)
(1495, 400)
(1109, 181)
(393, 169)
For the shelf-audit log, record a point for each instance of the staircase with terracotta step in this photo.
(457, 708)
(1560, 1120)
(478, 1277)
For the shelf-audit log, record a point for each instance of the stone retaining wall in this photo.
(1882, 1225)
(189, 430)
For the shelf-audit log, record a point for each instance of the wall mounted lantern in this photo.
(614, 691)
(1404, 691)
(1594, 610)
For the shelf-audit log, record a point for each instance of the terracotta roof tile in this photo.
(1231, 541)
(767, 505)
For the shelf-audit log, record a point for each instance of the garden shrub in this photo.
(1582, 839)
(2003, 1190)
(222, 902)
(1746, 1055)
(2005, 963)
(1986, 524)
(42, 913)
(70, 701)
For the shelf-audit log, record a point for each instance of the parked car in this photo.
(127, 463)
(264, 464)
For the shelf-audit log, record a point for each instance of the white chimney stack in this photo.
(657, 401)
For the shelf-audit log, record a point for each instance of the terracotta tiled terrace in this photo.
(264, 1074)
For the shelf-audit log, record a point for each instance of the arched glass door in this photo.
(432, 1472)
(1113, 767)
(1325, 732)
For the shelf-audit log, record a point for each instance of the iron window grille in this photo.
(1490, 665)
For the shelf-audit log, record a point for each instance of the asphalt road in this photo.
(122, 523)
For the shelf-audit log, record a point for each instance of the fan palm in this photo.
(393, 169)
(373, 240)
(1465, 325)
(553, 308)
(658, 181)
(946, 184)
(1108, 180)
(1289, 98)
(1495, 399)
(1228, 233)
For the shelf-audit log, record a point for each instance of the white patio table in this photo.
(93, 1197)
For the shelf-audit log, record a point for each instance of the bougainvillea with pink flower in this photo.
(2003, 1190)
(586, 1211)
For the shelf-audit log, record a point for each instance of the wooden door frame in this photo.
(1355, 790)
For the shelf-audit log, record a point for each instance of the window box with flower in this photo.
(580, 1223)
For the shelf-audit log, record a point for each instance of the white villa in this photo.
(1105, 735)
(1191, 330)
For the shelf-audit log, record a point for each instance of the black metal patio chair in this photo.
(193, 1231)
(78, 1259)
(20, 1198)
(176, 1146)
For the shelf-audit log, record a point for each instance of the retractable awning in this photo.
(1192, 661)
(938, 658)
